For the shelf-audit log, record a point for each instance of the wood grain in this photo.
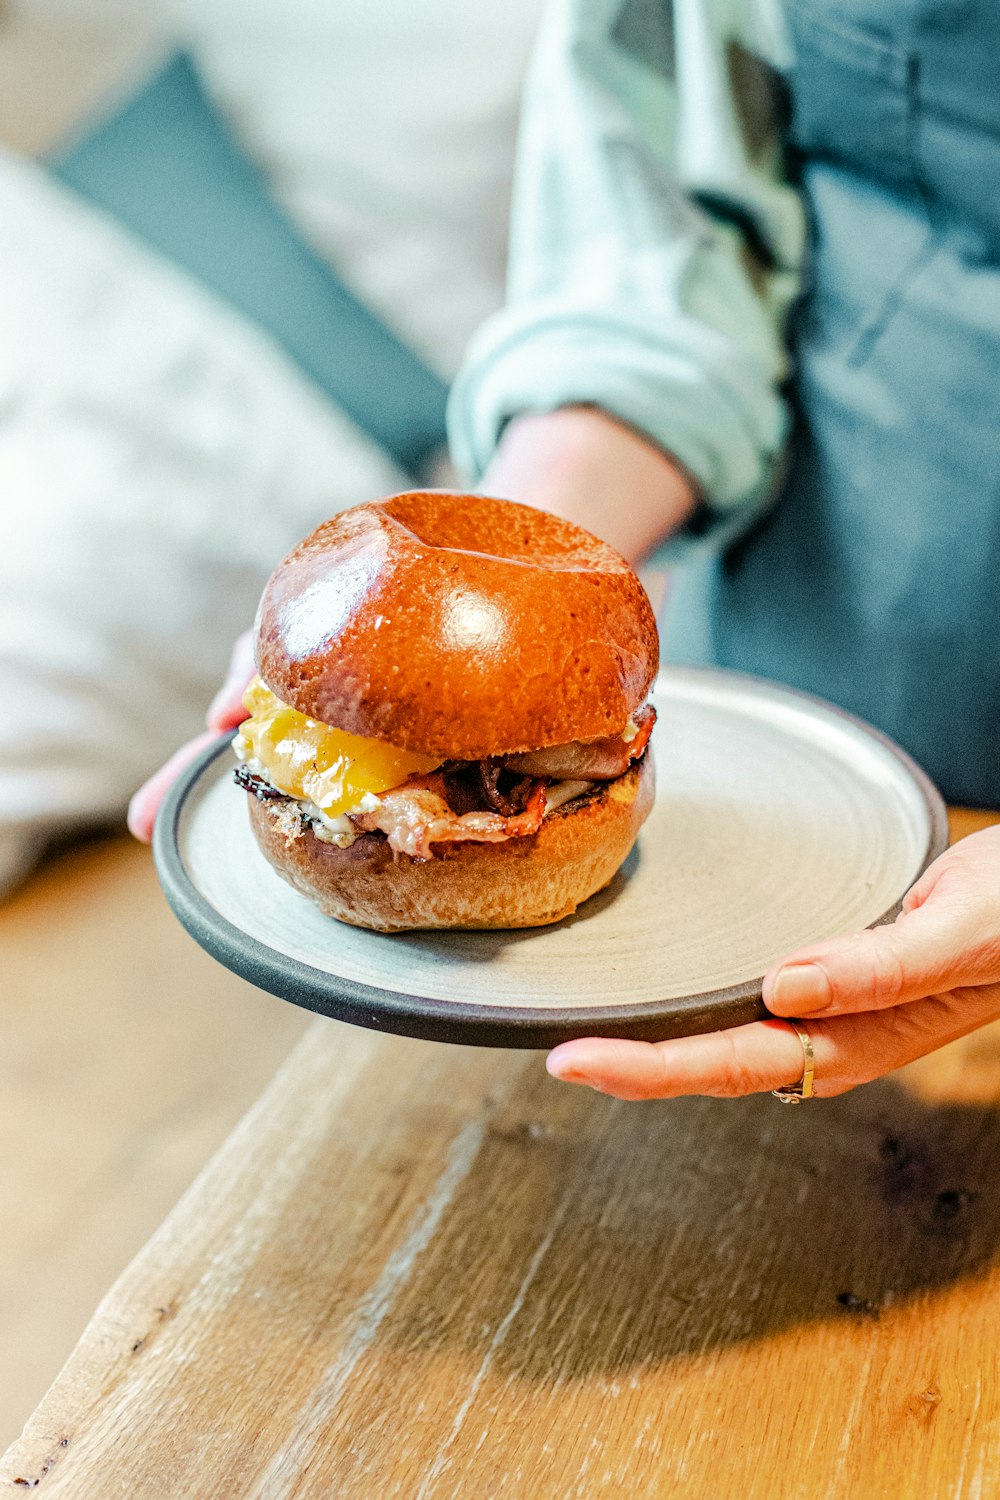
(421, 1271)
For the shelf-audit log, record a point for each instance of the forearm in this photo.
(581, 464)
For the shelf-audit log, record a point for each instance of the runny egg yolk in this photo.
(313, 762)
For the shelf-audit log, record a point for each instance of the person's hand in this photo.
(870, 1002)
(225, 712)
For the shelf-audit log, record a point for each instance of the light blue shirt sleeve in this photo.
(655, 245)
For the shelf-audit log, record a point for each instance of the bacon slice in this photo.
(587, 760)
(257, 786)
(509, 802)
(428, 810)
(416, 816)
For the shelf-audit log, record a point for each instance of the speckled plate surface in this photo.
(778, 821)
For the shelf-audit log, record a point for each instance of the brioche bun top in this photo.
(457, 625)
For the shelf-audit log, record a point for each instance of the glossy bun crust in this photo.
(526, 882)
(458, 626)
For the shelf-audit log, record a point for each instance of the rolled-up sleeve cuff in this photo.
(715, 414)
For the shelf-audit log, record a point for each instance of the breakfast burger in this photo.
(449, 725)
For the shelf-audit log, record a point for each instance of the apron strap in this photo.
(163, 163)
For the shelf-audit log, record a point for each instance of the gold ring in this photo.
(794, 1093)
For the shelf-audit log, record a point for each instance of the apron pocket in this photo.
(854, 93)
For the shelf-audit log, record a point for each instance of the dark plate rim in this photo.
(464, 1022)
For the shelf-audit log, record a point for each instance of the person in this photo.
(754, 315)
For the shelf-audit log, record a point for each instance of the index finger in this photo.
(764, 1055)
(226, 709)
(744, 1060)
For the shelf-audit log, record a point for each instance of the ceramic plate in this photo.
(778, 821)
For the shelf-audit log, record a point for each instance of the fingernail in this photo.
(135, 824)
(571, 1075)
(799, 990)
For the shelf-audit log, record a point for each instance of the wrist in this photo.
(582, 464)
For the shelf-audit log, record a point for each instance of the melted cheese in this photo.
(316, 763)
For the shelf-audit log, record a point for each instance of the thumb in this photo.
(145, 803)
(944, 944)
(226, 709)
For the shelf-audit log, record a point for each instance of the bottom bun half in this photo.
(522, 882)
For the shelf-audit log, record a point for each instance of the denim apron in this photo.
(875, 580)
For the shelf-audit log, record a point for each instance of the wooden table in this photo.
(423, 1271)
